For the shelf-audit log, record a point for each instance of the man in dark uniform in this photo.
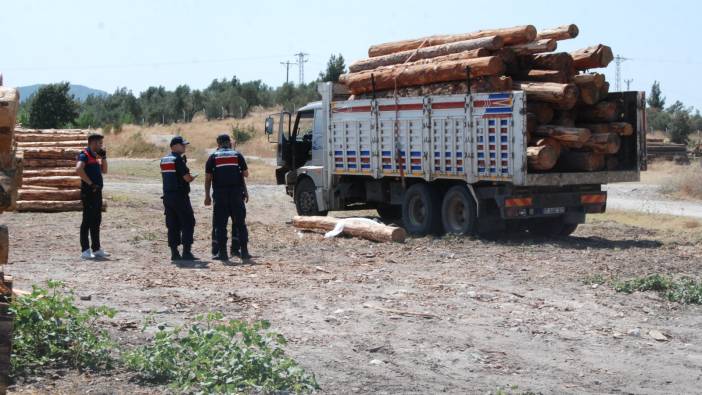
(91, 164)
(235, 248)
(225, 171)
(180, 219)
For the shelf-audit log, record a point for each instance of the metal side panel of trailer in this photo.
(473, 138)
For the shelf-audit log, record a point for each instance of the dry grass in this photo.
(260, 171)
(200, 132)
(670, 227)
(681, 181)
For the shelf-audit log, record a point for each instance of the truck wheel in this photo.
(421, 210)
(568, 229)
(306, 199)
(458, 211)
(389, 212)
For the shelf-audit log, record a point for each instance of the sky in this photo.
(136, 44)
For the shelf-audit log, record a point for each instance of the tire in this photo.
(568, 229)
(459, 212)
(306, 199)
(421, 210)
(389, 212)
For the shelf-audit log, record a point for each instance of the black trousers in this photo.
(235, 237)
(92, 217)
(180, 219)
(228, 203)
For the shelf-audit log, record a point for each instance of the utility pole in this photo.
(618, 76)
(301, 65)
(628, 83)
(287, 65)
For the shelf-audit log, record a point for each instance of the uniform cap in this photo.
(178, 140)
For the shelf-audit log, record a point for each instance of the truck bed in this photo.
(476, 138)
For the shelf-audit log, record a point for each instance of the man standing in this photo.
(90, 166)
(235, 248)
(180, 219)
(225, 172)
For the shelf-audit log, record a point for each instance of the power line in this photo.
(628, 83)
(287, 65)
(618, 72)
(301, 65)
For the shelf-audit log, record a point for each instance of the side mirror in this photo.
(269, 125)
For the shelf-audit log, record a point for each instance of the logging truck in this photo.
(440, 163)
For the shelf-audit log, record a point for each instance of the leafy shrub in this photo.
(219, 357)
(684, 290)
(51, 332)
(242, 134)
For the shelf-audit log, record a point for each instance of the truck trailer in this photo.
(441, 163)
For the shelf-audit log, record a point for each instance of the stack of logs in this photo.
(49, 179)
(572, 124)
(658, 149)
(10, 172)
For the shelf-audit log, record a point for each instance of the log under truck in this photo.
(444, 163)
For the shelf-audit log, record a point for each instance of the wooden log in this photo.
(534, 47)
(363, 229)
(48, 163)
(55, 195)
(604, 91)
(536, 75)
(601, 112)
(53, 181)
(564, 96)
(424, 74)
(564, 32)
(590, 87)
(79, 133)
(36, 137)
(543, 111)
(611, 162)
(9, 103)
(10, 180)
(52, 206)
(50, 153)
(4, 244)
(620, 128)
(478, 85)
(550, 141)
(561, 61)
(532, 125)
(541, 158)
(564, 118)
(592, 57)
(77, 144)
(578, 136)
(49, 172)
(486, 43)
(40, 188)
(581, 161)
(603, 143)
(510, 36)
(590, 78)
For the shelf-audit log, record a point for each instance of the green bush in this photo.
(684, 290)
(241, 134)
(220, 357)
(51, 332)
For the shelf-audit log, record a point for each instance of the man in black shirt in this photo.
(180, 219)
(225, 171)
(90, 166)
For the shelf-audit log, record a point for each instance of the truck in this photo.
(440, 163)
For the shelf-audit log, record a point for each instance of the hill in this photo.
(81, 92)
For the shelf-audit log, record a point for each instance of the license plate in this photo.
(554, 210)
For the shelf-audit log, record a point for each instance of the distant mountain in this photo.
(79, 91)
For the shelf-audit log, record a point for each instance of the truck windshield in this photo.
(304, 125)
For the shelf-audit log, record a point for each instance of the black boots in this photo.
(175, 255)
(222, 255)
(245, 252)
(187, 254)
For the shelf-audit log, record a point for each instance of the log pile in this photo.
(10, 173)
(572, 123)
(657, 149)
(49, 180)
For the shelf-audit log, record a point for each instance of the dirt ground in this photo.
(497, 313)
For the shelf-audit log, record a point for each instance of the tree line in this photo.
(53, 107)
(677, 120)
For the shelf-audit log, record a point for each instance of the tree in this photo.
(680, 124)
(656, 99)
(335, 68)
(52, 107)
